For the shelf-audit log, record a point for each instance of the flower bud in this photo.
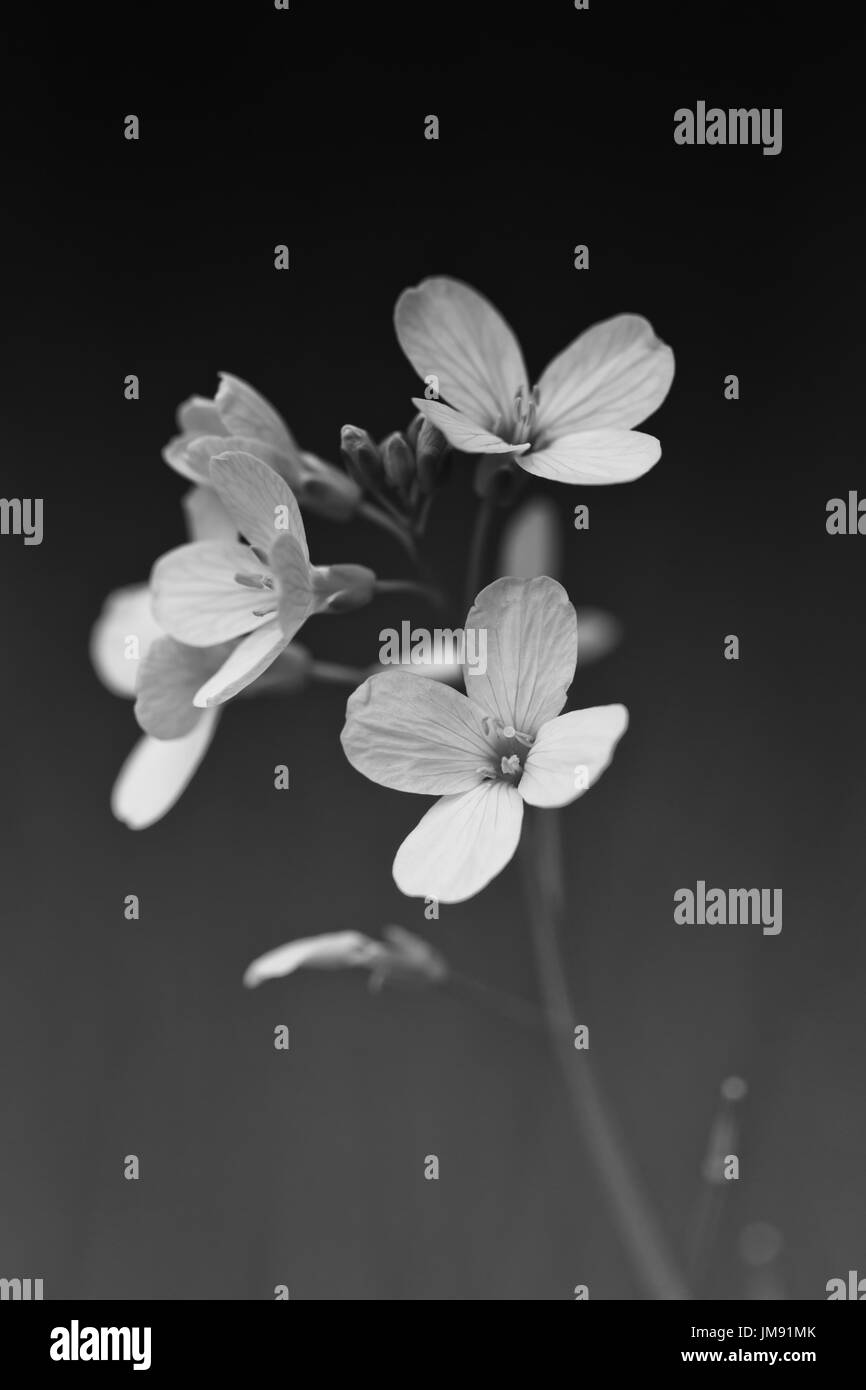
(431, 452)
(399, 463)
(362, 457)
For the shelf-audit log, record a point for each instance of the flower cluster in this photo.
(222, 612)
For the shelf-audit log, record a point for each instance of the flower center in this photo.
(525, 412)
(509, 748)
(265, 583)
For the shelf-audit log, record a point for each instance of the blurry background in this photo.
(306, 1168)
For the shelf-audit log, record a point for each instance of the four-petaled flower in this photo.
(488, 752)
(575, 426)
(209, 592)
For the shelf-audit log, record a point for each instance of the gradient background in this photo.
(306, 1168)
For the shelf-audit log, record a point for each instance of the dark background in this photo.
(156, 257)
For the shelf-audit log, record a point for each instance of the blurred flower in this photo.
(575, 425)
(401, 959)
(208, 592)
(487, 752)
(531, 541)
(239, 420)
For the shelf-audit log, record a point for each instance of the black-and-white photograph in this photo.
(433, 562)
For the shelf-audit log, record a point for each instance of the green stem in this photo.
(639, 1230)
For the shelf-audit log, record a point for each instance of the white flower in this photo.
(486, 753)
(575, 426)
(209, 592)
(239, 420)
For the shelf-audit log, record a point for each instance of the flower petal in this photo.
(463, 432)
(126, 614)
(192, 455)
(196, 597)
(156, 773)
(249, 659)
(332, 951)
(613, 376)
(531, 651)
(243, 411)
(295, 577)
(449, 331)
(415, 735)
(570, 753)
(260, 501)
(199, 415)
(170, 675)
(461, 844)
(206, 517)
(595, 457)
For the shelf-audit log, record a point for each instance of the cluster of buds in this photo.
(402, 472)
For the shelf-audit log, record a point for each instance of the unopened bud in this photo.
(399, 463)
(431, 452)
(362, 457)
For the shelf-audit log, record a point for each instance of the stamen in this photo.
(255, 581)
(511, 767)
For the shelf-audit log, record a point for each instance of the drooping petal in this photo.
(612, 377)
(260, 501)
(332, 951)
(292, 670)
(415, 735)
(464, 432)
(170, 675)
(595, 457)
(449, 331)
(249, 659)
(197, 599)
(570, 753)
(206, 517)
(530, 630)
(157, 772)
(294, 574)
(121, 637)
(244, 411)
(461, 844)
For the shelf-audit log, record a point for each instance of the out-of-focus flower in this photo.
(401, 958)
(239, 420)
(487, 752)
(575, 426)
(209, 592)
(531, 542)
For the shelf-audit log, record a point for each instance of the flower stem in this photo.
(640, 1233)
(394, 528)
(335, 674)
(484, 518)
(411, 586)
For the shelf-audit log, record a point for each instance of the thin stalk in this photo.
(639, 1230)
(479, 545)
